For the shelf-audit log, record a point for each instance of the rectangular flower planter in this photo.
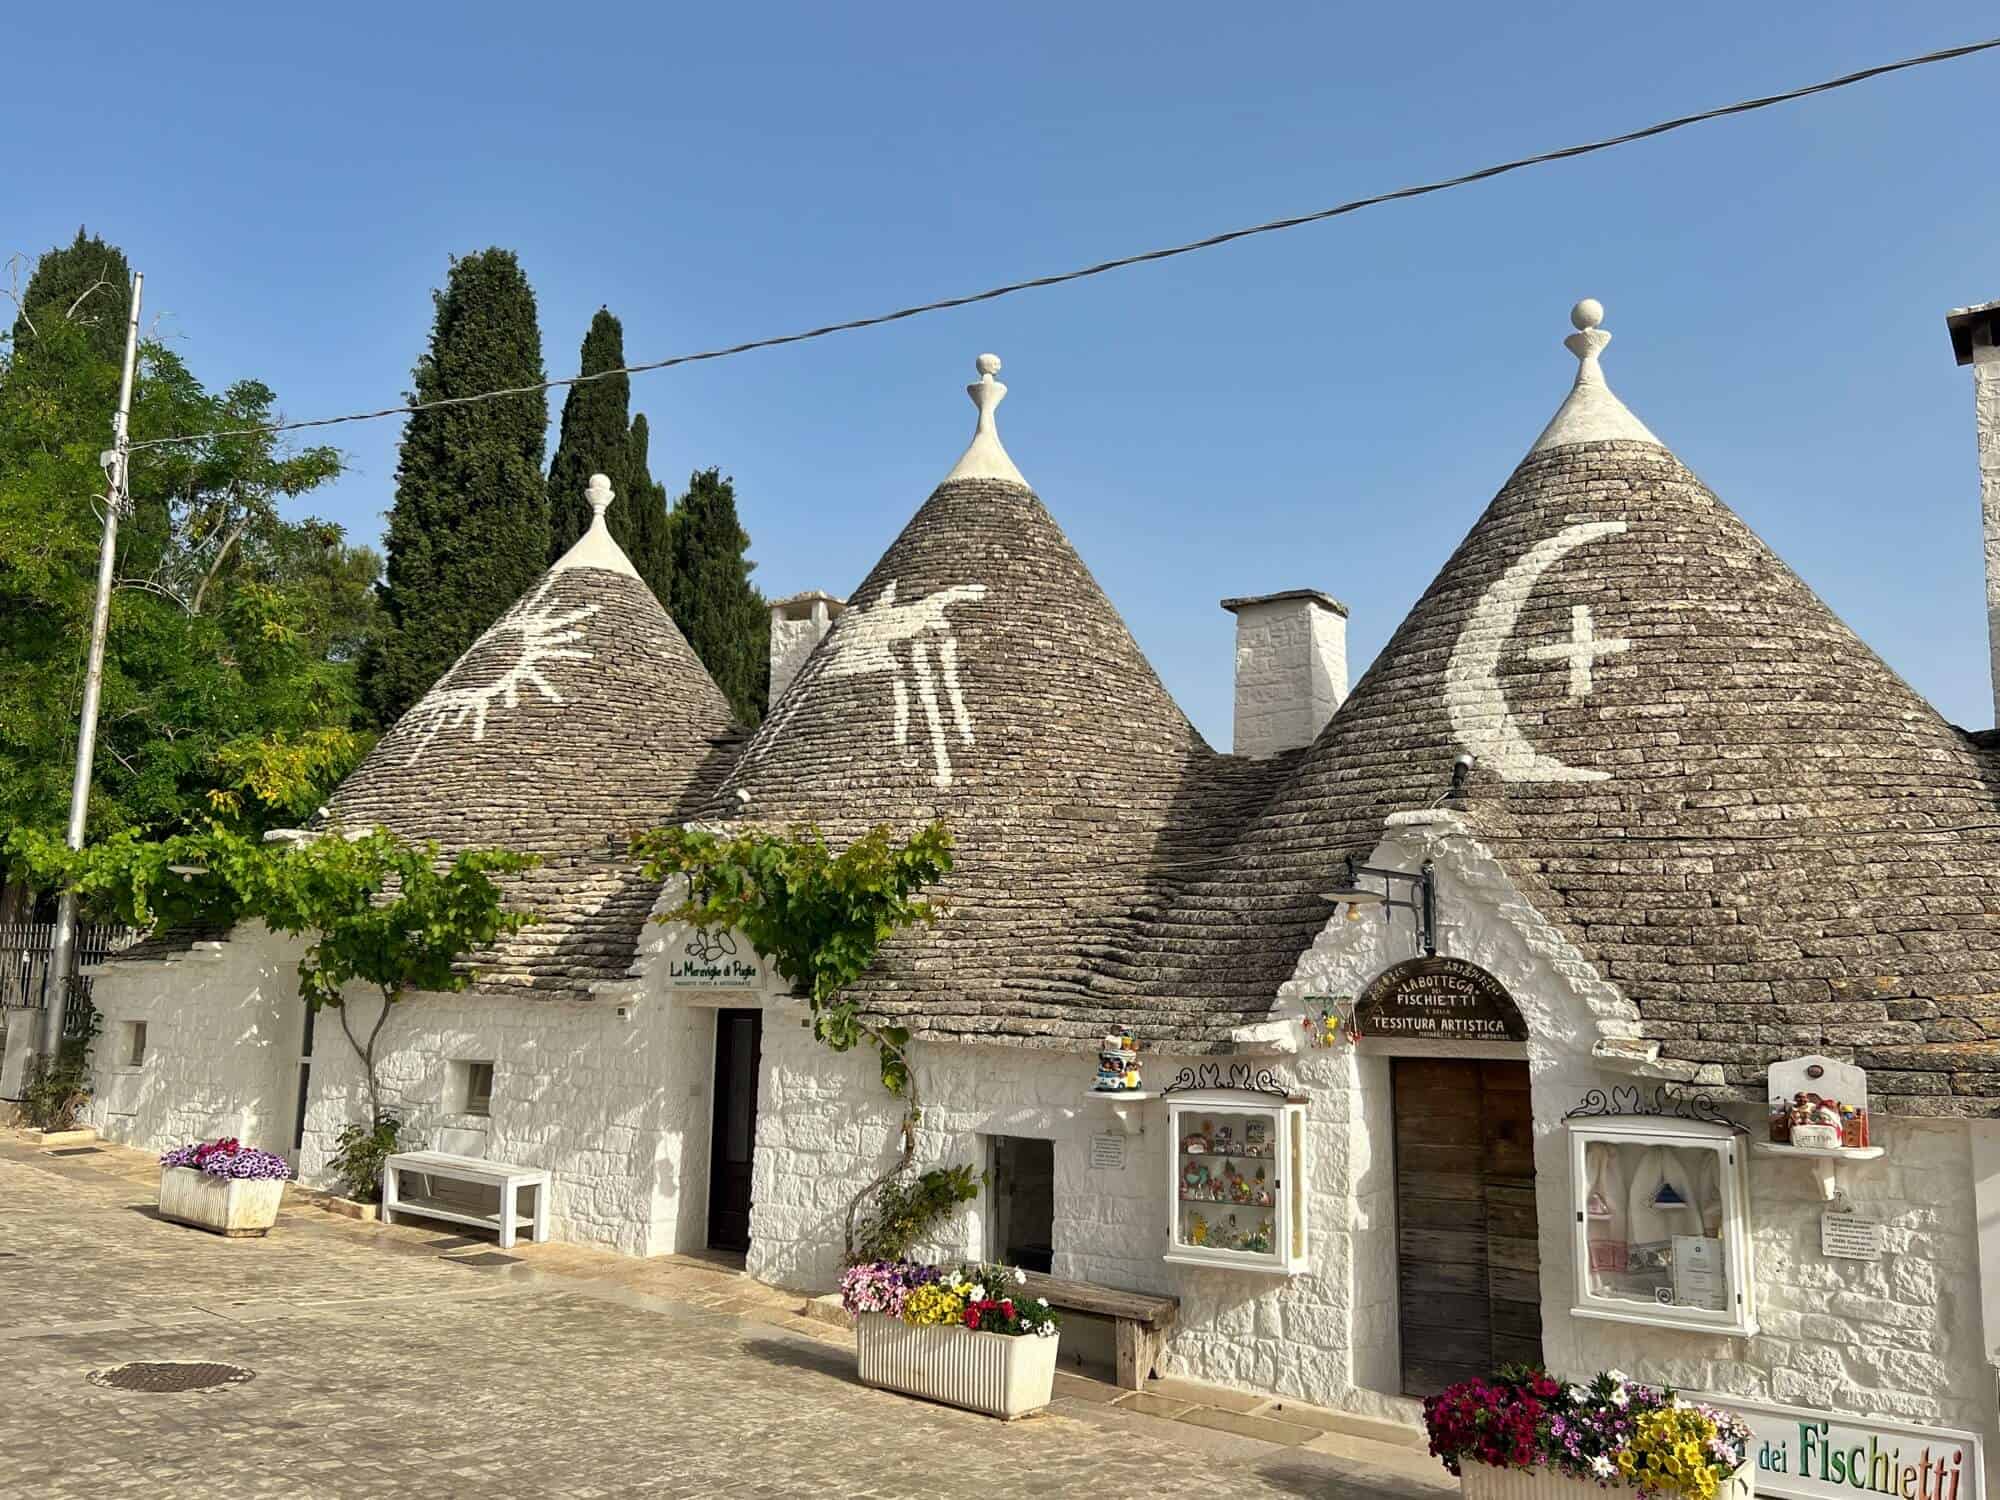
(998, 1374)
(1484, 1482)
(234, 1206)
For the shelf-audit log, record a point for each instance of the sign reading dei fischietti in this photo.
(1816, 1455)
(1438, 1000)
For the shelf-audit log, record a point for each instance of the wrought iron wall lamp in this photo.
(1418, 896)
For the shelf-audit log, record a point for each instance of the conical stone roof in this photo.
(1734, 808)
(579, 717)
(980, 675)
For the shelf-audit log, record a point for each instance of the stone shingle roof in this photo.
(1741, 816)
(580, 717)
(980, 675)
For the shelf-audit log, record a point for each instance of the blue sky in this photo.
(1328, 408)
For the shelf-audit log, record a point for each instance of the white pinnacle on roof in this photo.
(984, 458)
(1592, 414)
(597, 548)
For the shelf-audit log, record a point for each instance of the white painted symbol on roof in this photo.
(860, 645)
(1485, 725)
(1580, 650)
(545, 636)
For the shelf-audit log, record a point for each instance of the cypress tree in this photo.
(595, 440)
(717, 608)
(469, 532)
(66, 286)
(653, 546)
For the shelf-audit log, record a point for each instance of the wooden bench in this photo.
(498, 1174)
(1142, 1319)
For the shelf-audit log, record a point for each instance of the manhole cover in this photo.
(490, 1258)
(172, 1375)
(78, 1151)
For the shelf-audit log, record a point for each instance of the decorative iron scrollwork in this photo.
(1666, 1103)
(1241, 1076)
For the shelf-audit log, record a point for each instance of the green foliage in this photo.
(358, 1154)
(819, 917)
(230, 624)
(374, 909)
(469, 532)
(54, 1094)
(652, 549)
(598, 438)
(909, 1211)
(722, 614)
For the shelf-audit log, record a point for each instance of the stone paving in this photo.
(385, 1366)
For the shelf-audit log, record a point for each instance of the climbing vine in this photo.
(820, 918)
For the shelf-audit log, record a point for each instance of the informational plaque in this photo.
(1438, 1000)
(1107, 1152)
(1850, 1236)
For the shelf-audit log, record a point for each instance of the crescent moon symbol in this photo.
(1479, 713)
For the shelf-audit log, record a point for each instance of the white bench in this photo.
(508, 1179)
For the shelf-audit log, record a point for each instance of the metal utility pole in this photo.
(116, 460)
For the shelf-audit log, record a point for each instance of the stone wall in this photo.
(223, 1029)
(615, 1105)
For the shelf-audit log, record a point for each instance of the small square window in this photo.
(476, 1087)
(132, 1044)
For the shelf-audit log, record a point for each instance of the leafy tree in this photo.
(376, 910)
(232, 628)
(716, 606)
(820, 918)
(469, 532)
(598, 439)
(654, 557)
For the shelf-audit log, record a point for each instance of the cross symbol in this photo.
(1580, 650)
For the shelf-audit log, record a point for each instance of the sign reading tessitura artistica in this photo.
(1438, 1000)
(1815, 1455)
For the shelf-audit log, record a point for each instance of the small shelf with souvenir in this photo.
(1238, 1178)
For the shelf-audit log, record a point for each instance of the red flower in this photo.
(972, 1318)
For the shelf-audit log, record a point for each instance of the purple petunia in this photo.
(229, 1158)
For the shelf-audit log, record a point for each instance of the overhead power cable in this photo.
(1209, 242)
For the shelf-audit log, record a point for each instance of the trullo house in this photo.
(1456, 996)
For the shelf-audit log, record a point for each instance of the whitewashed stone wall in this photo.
(223, 1027)
(616, 1107)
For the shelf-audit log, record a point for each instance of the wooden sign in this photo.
(1438, 1000)
(1818, 1455)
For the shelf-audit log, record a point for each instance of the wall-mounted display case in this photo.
(1238, 1193)
(1661, 1223)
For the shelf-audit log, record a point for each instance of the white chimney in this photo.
(1291, 668)
(797, 625)
(1975, 339)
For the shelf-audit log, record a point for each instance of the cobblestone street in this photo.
(386, 1362)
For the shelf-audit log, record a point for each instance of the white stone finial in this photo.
(597, 548)
(1592, 414)
(984, 458)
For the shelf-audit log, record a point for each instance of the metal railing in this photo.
(25, 977)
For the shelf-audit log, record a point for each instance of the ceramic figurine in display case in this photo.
(1245, 1149)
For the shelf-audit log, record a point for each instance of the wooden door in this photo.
(739, 1045)
(1469, 1265)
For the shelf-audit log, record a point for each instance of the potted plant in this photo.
(1525, 1435)
(955, 1334)
(224, 1185)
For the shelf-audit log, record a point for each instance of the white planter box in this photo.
(233, 1206)
(1484, 1482)
(995, 1373)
